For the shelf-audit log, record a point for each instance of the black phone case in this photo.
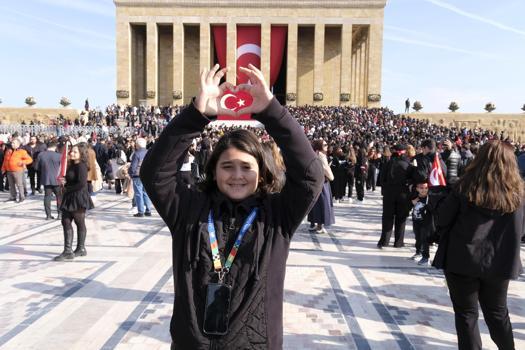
(217, 311)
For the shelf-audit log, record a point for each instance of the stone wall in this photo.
(512, 125)
(10, 115)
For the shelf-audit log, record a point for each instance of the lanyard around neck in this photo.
(214, 245)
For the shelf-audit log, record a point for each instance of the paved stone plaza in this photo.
(341, 292)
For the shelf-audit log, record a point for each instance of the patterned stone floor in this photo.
(340, 291)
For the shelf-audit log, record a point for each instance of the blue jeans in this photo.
(141, 197)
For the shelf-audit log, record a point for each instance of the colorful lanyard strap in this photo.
(215, 247)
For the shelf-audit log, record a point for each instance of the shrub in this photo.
(489, 107)
(30, 101)
(453, 106)
(64, 101)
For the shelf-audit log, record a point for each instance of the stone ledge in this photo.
(17, 114)
(258, 4)
(513, 125)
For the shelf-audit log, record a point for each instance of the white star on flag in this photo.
(240, 103)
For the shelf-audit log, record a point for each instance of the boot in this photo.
(81, 241)
(67, 254)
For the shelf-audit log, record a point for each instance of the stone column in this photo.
(204, 46)
(375, 35)
(291, 69)
(266, 35)
(123, 61)
(346, 65)
(151, 63)
(318, 63)
(358, 72)
(353, 92)
(231, 52)
(178, 63)
(364, 63)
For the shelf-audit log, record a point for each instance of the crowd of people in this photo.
(314, 156)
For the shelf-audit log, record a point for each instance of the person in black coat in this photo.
(237, 182)
(394, 187)
(339, 168)
(75, 201)
(48, 165)
(34, 148)
(481, 223)
(361, 170)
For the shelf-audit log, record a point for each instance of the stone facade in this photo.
(512, 125)
(334, 47)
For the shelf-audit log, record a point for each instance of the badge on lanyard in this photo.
(218, 295)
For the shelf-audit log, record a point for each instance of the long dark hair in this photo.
(244, 141)
(83, 151)
(492, 180)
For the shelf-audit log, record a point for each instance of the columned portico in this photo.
(332, 54)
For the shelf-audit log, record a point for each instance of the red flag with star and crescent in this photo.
(63, 162)
(436, 177)
(248, 52)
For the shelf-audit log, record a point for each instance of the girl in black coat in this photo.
(480, 251)
(219, 305)
(75, 201)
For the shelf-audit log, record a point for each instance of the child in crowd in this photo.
(423, 222)
(231, 236)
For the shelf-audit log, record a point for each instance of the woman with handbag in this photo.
(480, 253)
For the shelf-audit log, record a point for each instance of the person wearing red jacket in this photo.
(14, 164)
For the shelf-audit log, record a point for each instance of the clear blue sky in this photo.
(435, 51)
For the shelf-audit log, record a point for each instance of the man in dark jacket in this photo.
(48, 165)
(421, 173)
(33, 148)
(466, 157)
(395, 180)
(101, 152)
(424, 162)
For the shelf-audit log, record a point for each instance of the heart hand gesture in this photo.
(258, 89)
(208, 100)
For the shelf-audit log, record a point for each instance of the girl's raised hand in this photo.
(208, 100)
(258, 89)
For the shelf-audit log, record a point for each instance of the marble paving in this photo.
(340, 292)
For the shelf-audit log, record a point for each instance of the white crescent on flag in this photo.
(433, 178)
(224, 98)
(248, 48)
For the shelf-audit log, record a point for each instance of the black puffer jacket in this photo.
(257, 274)
(453, 161)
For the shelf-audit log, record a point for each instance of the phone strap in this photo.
(217, 264)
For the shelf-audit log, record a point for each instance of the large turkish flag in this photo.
(249, 51)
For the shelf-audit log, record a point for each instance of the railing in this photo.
(60, 130)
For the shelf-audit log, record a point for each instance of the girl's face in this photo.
(237, 174)
(74, 154)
